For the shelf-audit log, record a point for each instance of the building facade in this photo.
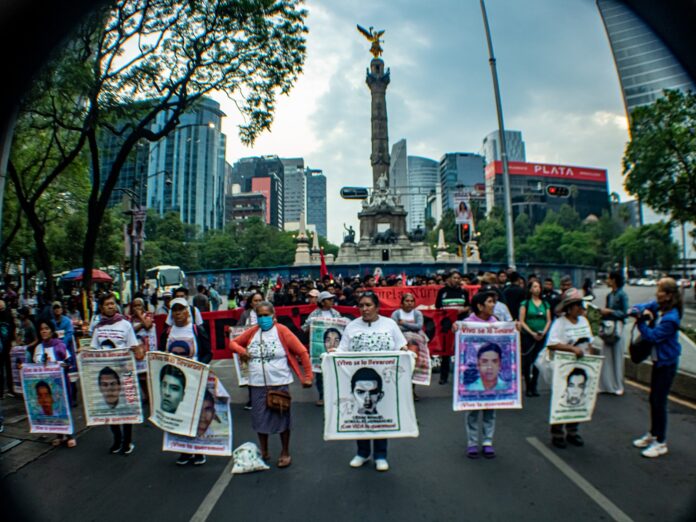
(490, 149)
(269, 173)
(459, 168)
(242, 206)
(294, 188)
(423, 182)
(316, 200)
(398, 172)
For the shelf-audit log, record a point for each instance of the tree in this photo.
(135, 66)
(660, 160)
(649, 246)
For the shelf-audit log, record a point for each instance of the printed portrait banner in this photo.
(422, 369)
(109, 384)
(240, 368)
(177, 387)
(324, 333)
(575, 387)
(214, 432)
(46, 399)
(462, 209)
(487, 367)
(18, 356)
(367, 395)
(149, 342)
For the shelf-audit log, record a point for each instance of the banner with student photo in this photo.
(18, 355)
(418, 343)
(241, 368)
(575, 387)
(176, 387)
(324, 334)
(148, 341)
(46, 398)
(214, 431)
(487, 367)
(109, 384)
(368, 395)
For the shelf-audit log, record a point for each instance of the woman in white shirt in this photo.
(371, 332)
(571, 333)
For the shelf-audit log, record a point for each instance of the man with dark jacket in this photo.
(514, 294)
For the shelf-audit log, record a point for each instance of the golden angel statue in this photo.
(374, 37)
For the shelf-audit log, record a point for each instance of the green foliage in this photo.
(660, 160)
(649, 246)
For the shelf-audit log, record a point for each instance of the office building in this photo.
(133, 173)
(459, 168)
(242, 206)
(423, 180)
(294, 189)
(398, 172)
(533, 185)
(264, 174)
(490, 149)
(316, 200)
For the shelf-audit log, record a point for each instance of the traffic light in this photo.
(557, 191)
(469, 251)
(464, 233)
(354, 193)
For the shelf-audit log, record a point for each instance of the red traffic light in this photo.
(464, 233)
(558, 191)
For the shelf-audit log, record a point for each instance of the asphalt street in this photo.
(430, 477)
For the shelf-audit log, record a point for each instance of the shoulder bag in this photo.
(276, 400)
(639, 348)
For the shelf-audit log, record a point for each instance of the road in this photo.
(430, 477)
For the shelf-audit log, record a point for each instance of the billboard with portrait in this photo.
(487, 366)
(214, 431)
(368, 396)
(462, 209)
(324, 334)
(46, 398)
(18, 355)
(109, 384)
(575, 386)
(177, 388)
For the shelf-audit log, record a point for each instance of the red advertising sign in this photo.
(263, 186)
(545, 170)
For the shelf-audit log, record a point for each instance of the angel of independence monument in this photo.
(383, 235)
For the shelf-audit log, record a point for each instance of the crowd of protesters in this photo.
(545, 316)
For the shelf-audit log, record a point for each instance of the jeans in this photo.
(530, 351)
(487, 424)
(122, 438)
(444, 368)
(319, 381)
(379, 448)
(660, 384)
(557, 430)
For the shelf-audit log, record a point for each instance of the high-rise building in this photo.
(316, 200)
(133, 172)
(459, 168)
(644, 63)
(514, 147)
(398, 172)
(269, 172)
(422, 180)
(241, 206)
(294, 188)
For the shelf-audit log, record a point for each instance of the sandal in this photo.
(57, 441)
(284, 462)
(71, 442)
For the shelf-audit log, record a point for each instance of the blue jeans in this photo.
(379, 448)
(472, 426)
(660, 384)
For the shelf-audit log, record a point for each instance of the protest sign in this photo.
(46, 398)
(110, 391)
(18, 355)
(575, 386)
(367, 395)
(214, 431)
(418, 343)
(148, 340)
(487, 367)
(240, 368)
(324, 333)
(177, 388)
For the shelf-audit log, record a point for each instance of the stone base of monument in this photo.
(401, 252)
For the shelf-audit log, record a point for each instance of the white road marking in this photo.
(211, 499)
(607, 505)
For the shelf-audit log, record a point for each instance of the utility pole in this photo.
(503, 149)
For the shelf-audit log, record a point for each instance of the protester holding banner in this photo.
(183, 293)
(410, 322)
(535, 321)
(188, 340)
(248, 318)
(371, 332)
(570, 332)
(272, 351)
(325, 309)
(115, 331)
(144, 327)
(452, 295)
(665, 312)
(611, 330)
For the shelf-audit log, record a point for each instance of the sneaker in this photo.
(488, 451)
(115, 448)
(184, 459)
(656, 449)
(127, 450)
(199, 460)
(645, 441)
(358, 461)
(472, 452)
(320, 402)
(247, 406)
(381, 464)
(559, 443)
(575, 440)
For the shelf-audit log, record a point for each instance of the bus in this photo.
(165, 277)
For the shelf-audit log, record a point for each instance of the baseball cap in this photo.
(326, 295)
(179, 301)
(313, 292)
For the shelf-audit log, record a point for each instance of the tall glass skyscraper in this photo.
(423, 180)
(644, 63)
(398, 172)
(514, 145)
(294, 188)
(316, 200)
(459, 168)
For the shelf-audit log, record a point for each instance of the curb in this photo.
(684, 385)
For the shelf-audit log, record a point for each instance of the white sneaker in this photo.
(358, 461)
(645, 441)
(381, 464)
(656, 449)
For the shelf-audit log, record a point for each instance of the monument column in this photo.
(377, 80)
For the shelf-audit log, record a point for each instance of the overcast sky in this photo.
(557, 78)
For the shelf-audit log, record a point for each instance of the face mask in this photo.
(265, 322)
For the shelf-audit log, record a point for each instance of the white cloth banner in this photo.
(367, 395)
(177, 387)
(575, 386)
